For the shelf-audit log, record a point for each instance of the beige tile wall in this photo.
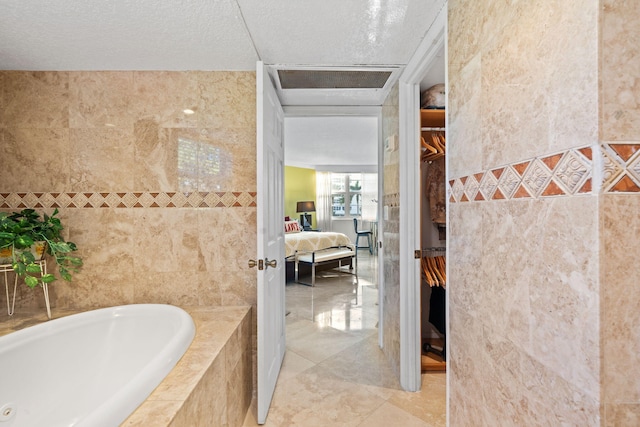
(619, 219)
(544, 179)
(161, 203)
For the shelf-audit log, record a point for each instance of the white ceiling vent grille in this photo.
(332, 79)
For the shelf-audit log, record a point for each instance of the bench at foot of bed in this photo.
(342, 255)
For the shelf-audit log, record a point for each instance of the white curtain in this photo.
(323, 200)
(369, 196)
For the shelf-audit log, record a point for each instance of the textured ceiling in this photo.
(209, 34)
(124, 35)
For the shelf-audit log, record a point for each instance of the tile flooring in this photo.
(334, 372)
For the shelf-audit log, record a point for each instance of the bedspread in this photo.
(307, 241)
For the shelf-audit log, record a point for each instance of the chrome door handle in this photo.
(273, 263)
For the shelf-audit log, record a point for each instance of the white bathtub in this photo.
(89, 369)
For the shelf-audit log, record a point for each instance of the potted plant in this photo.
(22, 232)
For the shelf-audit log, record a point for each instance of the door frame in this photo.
(409, 134)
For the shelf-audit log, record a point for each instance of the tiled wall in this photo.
(544, 175)
(160, 202)
(525, 176)
(390, 237)
(619, 218)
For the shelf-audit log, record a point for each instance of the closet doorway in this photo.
(426, 68)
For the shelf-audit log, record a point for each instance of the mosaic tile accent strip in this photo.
(392, 200)
(621, 168)
(561, 174)
(222, 199)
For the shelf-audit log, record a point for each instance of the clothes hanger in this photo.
(436, 143)
(427, 146)
(434, 269)
(442, 268)
(427, 272)
(433, 150)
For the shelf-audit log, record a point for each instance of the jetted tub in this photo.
(92, 368)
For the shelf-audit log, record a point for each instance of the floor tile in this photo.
(315, 342)
(294, 364)
(390, 415)
(334, 373)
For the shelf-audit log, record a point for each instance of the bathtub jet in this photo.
(90, 369)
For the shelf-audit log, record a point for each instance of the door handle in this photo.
(253, 263)
(273, 263)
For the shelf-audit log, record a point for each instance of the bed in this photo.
(306, 242)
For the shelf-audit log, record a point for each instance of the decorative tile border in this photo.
(621, 168)
(561, 174)
(392, 200)
(228, 199)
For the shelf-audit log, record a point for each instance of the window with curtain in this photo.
(323, 200)
(370, 196)
(352, 195)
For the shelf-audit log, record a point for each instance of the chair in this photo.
(362, 233)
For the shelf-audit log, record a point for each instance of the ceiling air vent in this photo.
(332, 79)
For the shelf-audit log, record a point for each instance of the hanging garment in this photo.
(435, 185)
(437, 309)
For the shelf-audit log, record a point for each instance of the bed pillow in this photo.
(291, 227)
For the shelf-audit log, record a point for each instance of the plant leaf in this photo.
(61, 247)
(75, 261)
(33, 268)
(27, 257)
(48, 278)
(24, 241)
(31, 281)
(20, 268)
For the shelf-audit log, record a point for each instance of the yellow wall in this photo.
(299, 185)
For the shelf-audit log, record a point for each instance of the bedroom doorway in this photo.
(338, 319)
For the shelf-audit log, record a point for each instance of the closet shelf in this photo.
(432, 118)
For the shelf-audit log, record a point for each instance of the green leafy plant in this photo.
(19, 231)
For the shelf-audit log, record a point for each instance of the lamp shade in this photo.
(309, 206)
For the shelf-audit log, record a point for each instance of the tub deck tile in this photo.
(200, 382)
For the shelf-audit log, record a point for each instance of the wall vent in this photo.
(332, 79)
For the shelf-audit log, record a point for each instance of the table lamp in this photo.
(305, 218)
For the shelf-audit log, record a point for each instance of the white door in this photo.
(270, 218)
